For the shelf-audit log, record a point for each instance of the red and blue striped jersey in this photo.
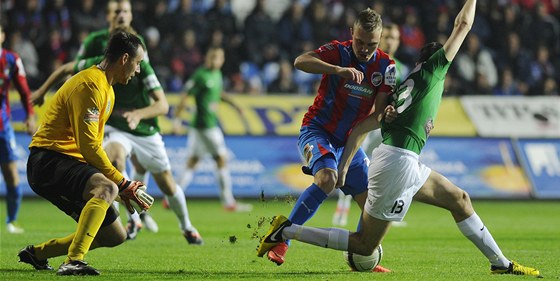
(11, 69)
(340, 104)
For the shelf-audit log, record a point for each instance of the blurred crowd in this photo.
(513, 49)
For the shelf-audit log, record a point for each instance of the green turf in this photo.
(430, 247)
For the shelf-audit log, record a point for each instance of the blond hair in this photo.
(369, 20)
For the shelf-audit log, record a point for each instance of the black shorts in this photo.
(62, 179)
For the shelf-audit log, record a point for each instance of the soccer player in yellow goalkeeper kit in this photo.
(68, 166)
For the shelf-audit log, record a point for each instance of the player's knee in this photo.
(463, 198)
(326, 180)
(220, 161)
(191, 163)
(11, 176)
(101, 187)
(112, 240)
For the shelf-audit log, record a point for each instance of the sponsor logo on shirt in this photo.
(92, 115)
(359, 91)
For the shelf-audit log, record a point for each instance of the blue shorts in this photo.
(318, 153)
(7, 145)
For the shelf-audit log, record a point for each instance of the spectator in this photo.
(544, 28)
(87, 16)
(223, 24)
(516, 58)
(259, 32)
(476, 68)
(185, 18)
(57, 16)
(412, 36)
(284, 84)
(29, 56)
(540, 70)
(53, 53)
(186, 58)
(294, 31)
(320, 22)
(26, 17)
(507, 86)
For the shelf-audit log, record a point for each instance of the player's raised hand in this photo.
(134, 192)
(351, 73)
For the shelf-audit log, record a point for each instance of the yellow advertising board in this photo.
(274, 115)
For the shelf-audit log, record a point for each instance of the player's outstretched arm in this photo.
(353, 143)
(177, 125)
(359, 133)
(310, 62)
(38, 96)
(462, 26)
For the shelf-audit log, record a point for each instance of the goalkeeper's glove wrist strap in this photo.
(123, 184)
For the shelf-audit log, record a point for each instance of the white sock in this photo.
(333, 238)
(186, 178)
(226, 194)
(341, 200)
(347, 202)
(135, 217)
(178, 204)
(474, 230)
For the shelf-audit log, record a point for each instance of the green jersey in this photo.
(417, 101)
(206, 86)
(95, 44)
(401, 68)
(134, 95)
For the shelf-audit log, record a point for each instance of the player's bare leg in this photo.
(117, 155)
(440, 192)
(226, 192)
(178, 204)
(13, 196)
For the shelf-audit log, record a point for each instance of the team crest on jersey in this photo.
(429, 126)
(92, 114)
(376, 78)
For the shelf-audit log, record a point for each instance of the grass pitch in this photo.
(430, 247)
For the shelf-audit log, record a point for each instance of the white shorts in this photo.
(394, 177)
(149, 150)
(206, 141)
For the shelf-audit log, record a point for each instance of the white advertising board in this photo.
(518, 117)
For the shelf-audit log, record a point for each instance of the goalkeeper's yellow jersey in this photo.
(74, 122)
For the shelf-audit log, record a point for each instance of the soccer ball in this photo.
(363, 263)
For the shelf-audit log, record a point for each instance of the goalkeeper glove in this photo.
(134, 192)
